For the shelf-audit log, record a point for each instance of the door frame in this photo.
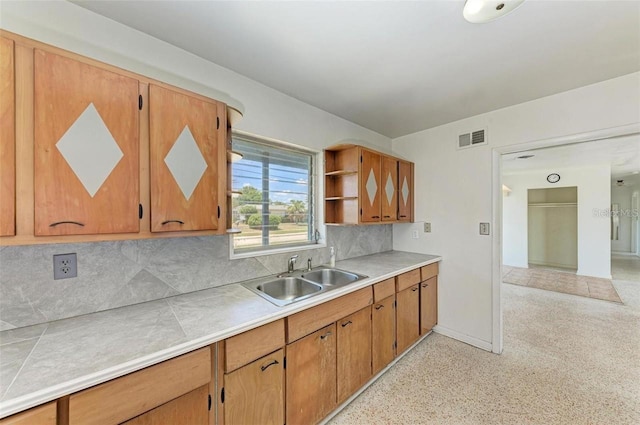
(496, 239)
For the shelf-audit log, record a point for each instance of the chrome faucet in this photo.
(291, 263)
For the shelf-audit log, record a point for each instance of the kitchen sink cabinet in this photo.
(363, 186)
(311, 377)
(86, 153)
(169, 392)
(353, 352)
(187, 161)
(7, 138)
(41, 415)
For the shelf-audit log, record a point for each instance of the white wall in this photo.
(267, 112)
(594, 194)
(621, 195)
(454, 190)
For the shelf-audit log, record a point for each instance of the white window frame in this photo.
(317, 210)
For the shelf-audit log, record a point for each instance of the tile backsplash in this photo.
(115, 274)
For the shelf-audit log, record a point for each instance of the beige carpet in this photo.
(560, 281)
(567, 360)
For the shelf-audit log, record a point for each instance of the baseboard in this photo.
(623, 253)
(478, 343)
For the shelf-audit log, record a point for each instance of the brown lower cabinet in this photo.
(311, 377)
(41, 415)
(408, 318)
(254, 394)
(353, 352)
(428, 304)
(189, 409)
(383, 324)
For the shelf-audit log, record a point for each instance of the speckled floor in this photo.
(566, 360)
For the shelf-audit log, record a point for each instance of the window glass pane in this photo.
(274, 207)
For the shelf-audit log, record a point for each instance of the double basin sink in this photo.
(291, 287)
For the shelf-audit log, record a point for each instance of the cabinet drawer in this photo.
(308, 321)
(429, 271)
(251, 345)
(124, 398)
(407, 279)
(384, 289)
(41, 415)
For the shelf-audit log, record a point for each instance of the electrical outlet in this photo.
(427, 227)
(65, 266)
(414, 234)
(484, 228)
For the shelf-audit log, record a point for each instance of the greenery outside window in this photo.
(273, 197)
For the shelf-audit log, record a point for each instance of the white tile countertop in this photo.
(43, 362)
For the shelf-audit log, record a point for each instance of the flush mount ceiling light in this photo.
(525, 156)
(480, 11)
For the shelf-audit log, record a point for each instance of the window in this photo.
(273, 196)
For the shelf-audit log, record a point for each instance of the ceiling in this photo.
(399, 67)
(622, 153)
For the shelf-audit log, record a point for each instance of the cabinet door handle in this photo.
(325, 335)
(387, 216)
(346, 324)
(375, 216)
(77, 223)
(403, 216)
(378, 307)
(425, 285)
(265, 367)
(172, 221)
(414, 289)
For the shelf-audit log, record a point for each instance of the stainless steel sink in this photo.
(299, 285)
(331, 277)
(285, 290)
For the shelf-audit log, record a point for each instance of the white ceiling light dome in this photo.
(480, 11)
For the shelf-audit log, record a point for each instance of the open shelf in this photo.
(340, 198)
(341, 173)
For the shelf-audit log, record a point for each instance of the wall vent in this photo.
(473, 138)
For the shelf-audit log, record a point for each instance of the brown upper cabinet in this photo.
(187, 161)
(86, 148)
(92, 152)
(363, 186)
(7, 139)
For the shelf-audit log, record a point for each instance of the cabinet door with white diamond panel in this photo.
(390, 191)
(86, 164)
(405, 189)
(185, 161)
(370, 186)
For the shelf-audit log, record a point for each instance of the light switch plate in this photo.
(427, 227)
(484, 228)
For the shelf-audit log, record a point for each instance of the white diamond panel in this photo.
(90, 150)
(372, 187)
(389, 189)
(405, 191)
(186, 163)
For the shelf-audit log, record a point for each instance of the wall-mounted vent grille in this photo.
(473, 138)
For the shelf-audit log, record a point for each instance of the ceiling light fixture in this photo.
(525, 156)
(481, 11)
